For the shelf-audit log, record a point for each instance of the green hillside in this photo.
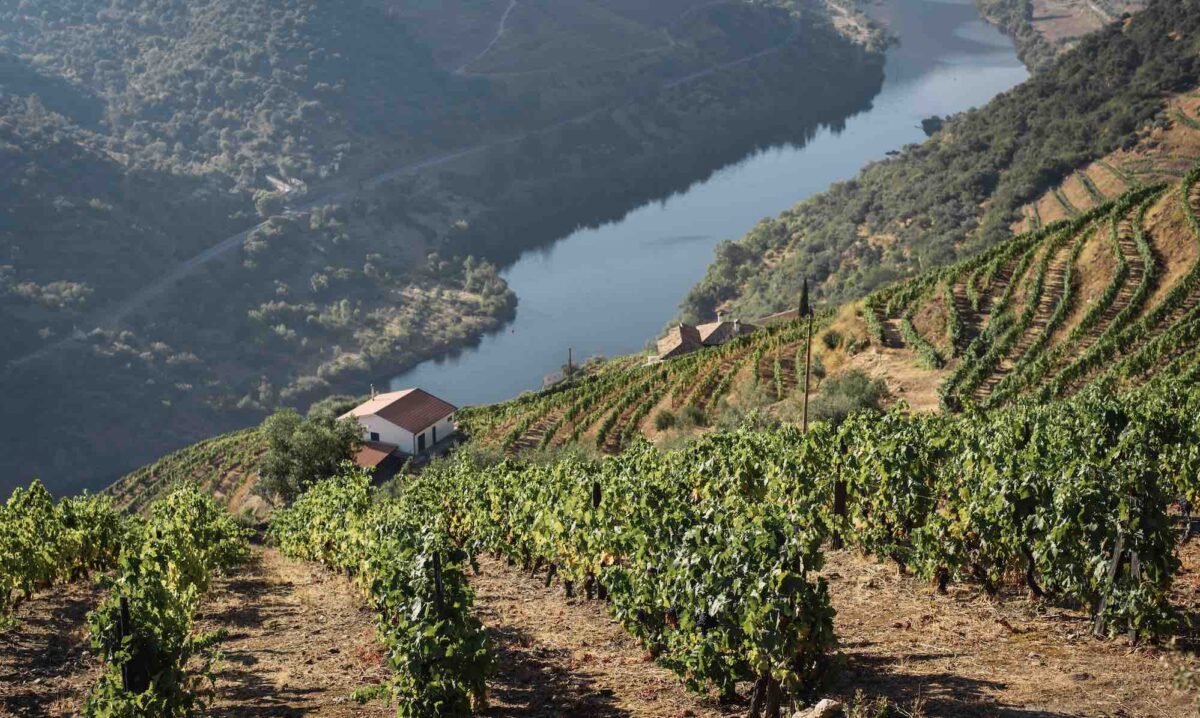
(711, 556)
(961, 191)
(218, 209)
(1108, 298)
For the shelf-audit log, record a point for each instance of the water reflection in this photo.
(609, 290)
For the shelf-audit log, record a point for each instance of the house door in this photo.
(435, 436)
(421, 443)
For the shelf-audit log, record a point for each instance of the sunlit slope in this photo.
(1109, 296)
(1108, 103)
(226, 467)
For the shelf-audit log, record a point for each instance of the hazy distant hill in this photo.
(139, 139)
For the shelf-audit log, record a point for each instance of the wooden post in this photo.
(807, 368)
(437, 580)
(122, 632)
(1113, 567)
(839, 506)
(1135, 573)
(805, 310)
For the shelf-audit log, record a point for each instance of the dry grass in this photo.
(906, 380)
(1093, 272)
(1077, 194)
(1060, 21)
(931, 321)
(1174, 246)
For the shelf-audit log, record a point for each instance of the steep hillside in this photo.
(1108, 297)
(216, 209)
(1083, 579)
(225, 467)
(1043, 29)
(961, 191)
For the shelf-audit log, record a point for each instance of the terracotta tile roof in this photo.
(679, 340)
(412, 409)
(373, 453)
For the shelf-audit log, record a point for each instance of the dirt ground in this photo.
(46, 663)
(300, 641)
(567, 657)
(905, 378)
(964, 654)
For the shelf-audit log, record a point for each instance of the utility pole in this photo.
(570, 362)
(806, 311)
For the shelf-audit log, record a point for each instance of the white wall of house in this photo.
(389, 433)
(445, 428)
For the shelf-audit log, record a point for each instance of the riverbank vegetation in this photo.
(963, 189)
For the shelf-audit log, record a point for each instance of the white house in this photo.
(409, 422)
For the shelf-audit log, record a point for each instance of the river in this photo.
(609, 290)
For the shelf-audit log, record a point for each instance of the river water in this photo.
(609, 290)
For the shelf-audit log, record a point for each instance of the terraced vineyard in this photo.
(610, 408)
(225, 467)
(1108, 296)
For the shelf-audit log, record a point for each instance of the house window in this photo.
(374, 436)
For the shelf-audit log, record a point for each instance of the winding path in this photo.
(503, 28)
(301, 640)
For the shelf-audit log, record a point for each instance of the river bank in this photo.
(610, 289)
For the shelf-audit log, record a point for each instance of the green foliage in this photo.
(1035, 365)
(664, 419)
(302, 451)
(699, 551)
(268, 204)
(717, 581)
(947, 199)
(160, 664)
(832, 339)
(870, 315)
(692, 415)
(1124, 334)
(331, 407)
(400, 551)
(930, 357)
(206, 464)
(43, 542)
(847, 393)
(954, 320)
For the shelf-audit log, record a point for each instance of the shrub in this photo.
(664, 420)
(302, 451)
(846, 394)
(692, 415)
